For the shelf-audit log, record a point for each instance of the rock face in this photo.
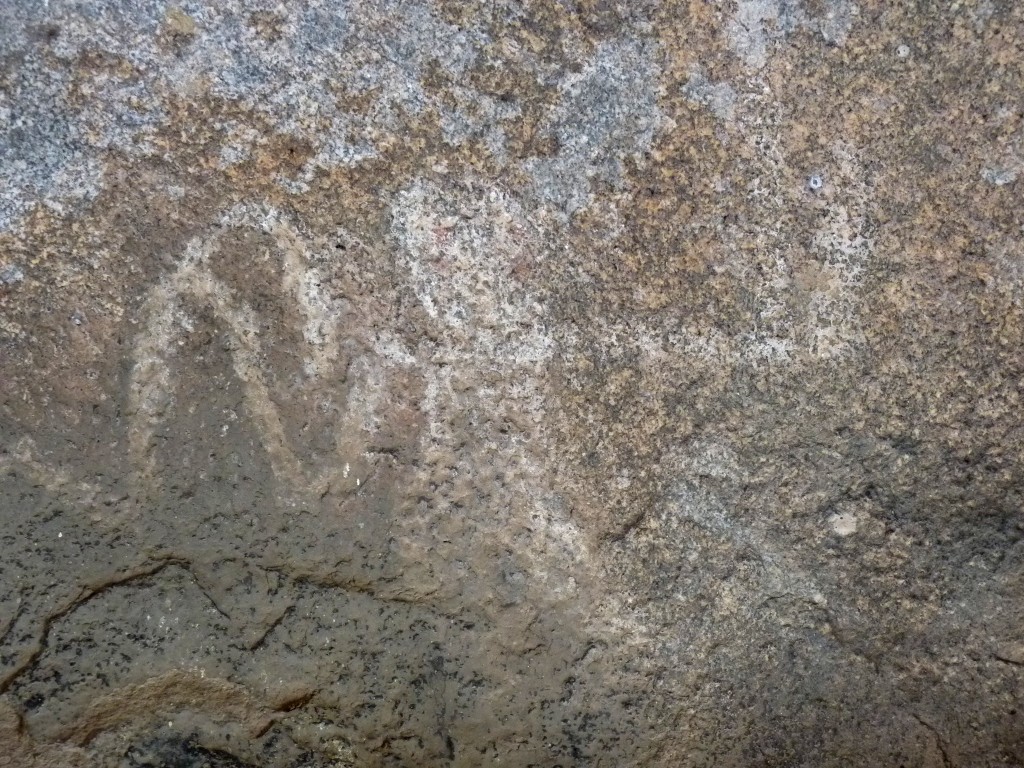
(561, 383)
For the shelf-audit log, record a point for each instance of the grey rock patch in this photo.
(478, 116)
(609, 112)
(297, 65)
(759, 25)
(1000, 176)
(11, 274)
(720, 98)
(44, 155)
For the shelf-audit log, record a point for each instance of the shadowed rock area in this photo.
(557, 383)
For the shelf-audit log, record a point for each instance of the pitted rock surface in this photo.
(556, 383)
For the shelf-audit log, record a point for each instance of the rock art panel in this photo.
(393, 383)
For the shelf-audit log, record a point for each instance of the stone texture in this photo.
(560, 383)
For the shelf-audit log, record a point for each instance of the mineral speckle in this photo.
(393, 383)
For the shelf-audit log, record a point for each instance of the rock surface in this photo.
(560, 383)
